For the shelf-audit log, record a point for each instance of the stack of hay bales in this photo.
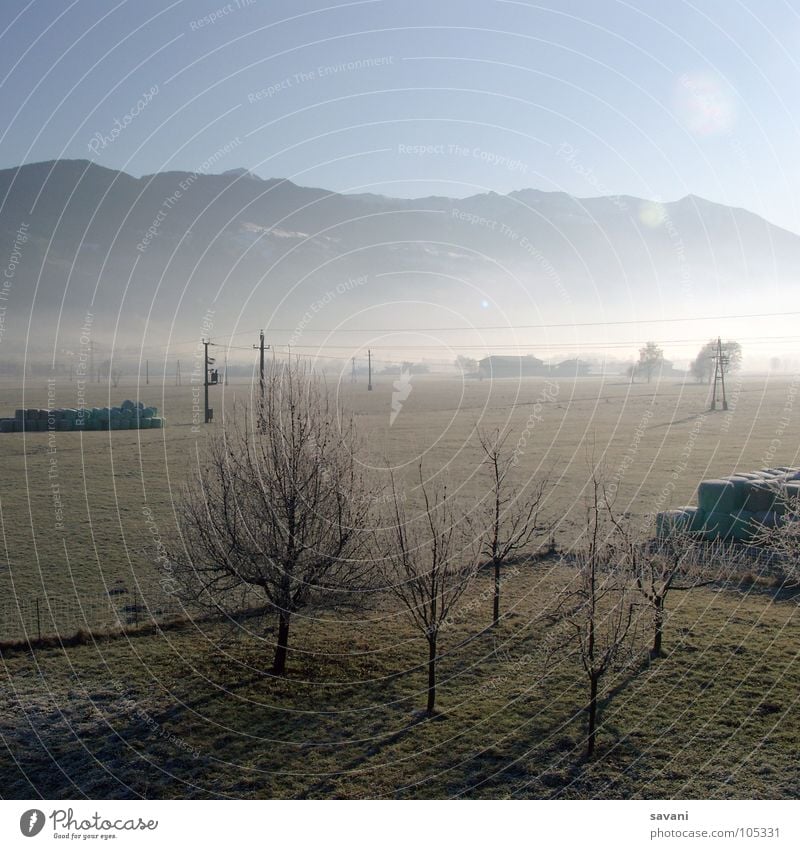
(130, 415)
(736, 507)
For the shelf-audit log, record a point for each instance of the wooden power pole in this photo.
(211, 379)
(261, 348)
(369, 368)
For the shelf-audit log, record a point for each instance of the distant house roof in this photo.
(504, 366)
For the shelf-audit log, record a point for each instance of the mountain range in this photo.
(177, 255)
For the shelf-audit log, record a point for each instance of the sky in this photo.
(410, 98)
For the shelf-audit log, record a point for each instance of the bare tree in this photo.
(675, 563)
(279, 506)
(702, 367)
(429, 562)
(598, 611)
(782, 539)
(651, 358)
(513, 519)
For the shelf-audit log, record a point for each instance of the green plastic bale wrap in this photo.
(679, 520)
(741, 485)
(761, 497)
(717, 526)
(720, 496)
(743, 525)
(769, 519)
(789, 498)
(7, 426)
(158, 421)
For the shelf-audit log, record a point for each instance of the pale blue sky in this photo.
(645, 98)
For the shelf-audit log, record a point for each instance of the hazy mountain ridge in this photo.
(168, 244)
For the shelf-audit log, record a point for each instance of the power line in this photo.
(494, 327)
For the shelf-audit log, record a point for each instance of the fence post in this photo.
(38, 621)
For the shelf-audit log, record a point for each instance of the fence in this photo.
(42, 616)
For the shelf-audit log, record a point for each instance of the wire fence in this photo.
(45, 616)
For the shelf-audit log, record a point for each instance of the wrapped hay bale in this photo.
(717, 526)
(743, 525)
(680, 520)
(768, 519)
(158, 421)
(789, 498)
(720, 496)
(761, 497)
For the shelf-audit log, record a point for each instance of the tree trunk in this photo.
(431, 675)
(282, 648)
(592, 716)
(659, 627)
(496, 592)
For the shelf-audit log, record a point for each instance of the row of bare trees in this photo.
(281, 506)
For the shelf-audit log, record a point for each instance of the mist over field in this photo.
(531, 271)
(399, 400)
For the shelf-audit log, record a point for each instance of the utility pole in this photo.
(226, 370)
(211, 379)
(353, 372)
(147, 371)
(721, 362)
(369, 366)
(261, 348)
(178, 374)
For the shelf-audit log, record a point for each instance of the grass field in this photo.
(191, 711)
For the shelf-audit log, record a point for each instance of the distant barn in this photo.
(529, 366)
